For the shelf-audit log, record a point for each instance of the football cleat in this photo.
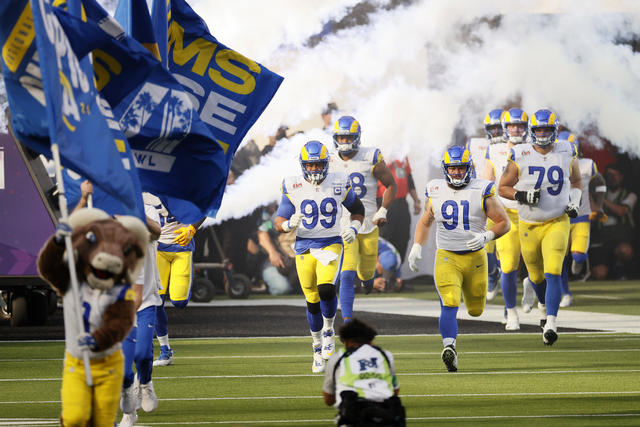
(566, 300)
(128, 420)
(128, 399)
(318, 361)
(549, 336)
(328, 343)
(450, 358)
(528, 295)
(165, 358)
(513, 322)
(149, 401)
(543, 314)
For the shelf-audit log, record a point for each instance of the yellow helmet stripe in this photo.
(354, 126)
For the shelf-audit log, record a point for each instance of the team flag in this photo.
(53, 99)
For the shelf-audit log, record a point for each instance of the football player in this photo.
(175, 266)
(459, 206)
(364, 166)
(514, 123)
(544, 179)
(478, 148)
(312, 206)
(595, 186)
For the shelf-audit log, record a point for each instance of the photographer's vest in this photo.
(366, 371)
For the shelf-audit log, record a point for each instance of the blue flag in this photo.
(177, 157)
(159, 20)
(133, 16)
(46, 80)
(229, 90)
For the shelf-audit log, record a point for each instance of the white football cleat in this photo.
(128, 399)
(328, 343)
(165, 358)
(566, 300)
(149, 398)
(450, 358)
(318, 361)
(128, 420)
(528, 295)
(513, 321)
(549, 336)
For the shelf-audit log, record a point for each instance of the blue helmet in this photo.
(493, 126)
(515, 116)
(347, 126)
(314, 152)
(543, 119)
(571, 137)
(457, 155)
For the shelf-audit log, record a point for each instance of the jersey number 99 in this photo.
(328, 210)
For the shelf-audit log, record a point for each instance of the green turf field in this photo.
(503, 379)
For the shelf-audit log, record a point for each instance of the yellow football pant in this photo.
(175, 271)
(99, 403)
(361, 255)
(312, 272)
(508, 245)
(544, 246)
(580, 237)
(467, 273)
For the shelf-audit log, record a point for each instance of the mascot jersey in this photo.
(364, 184)
(458, 212)
(550, 172)
(321, 206)
(94, 304)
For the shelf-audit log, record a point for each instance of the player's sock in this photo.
(129, 351)
(448, 323)
(540, 290)
(346, 293)
(327, 322)
(315, 322)
(509, 285)
(316, 336)
(553, 293)
(162, 322)
(565, 276)
(164, 340)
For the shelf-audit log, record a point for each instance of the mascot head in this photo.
(107, 251)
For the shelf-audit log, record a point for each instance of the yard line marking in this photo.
(417, 353)
(415, 374)
(600, 297)
(191, 399)
(28, 421)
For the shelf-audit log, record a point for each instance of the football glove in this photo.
(572, 210)
(380, 217)
(480, 239)
(86, 341)
(414, 256)
(292, 222)
(529, 197)
(63, 229)
(185, 234)
(349, 232)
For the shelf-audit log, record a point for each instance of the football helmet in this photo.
(493, 126)
(543, 119)
(457, 155)
(314, 152)
(515, 116)
(349, 127)
(571, 137)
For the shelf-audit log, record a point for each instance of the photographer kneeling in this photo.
(361, 381)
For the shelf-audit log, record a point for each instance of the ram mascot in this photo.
(108, 254)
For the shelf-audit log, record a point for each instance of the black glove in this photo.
(571, 210)
(529, 197)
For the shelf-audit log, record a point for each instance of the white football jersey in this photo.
(320, 204)
(360, 171)
(459, 211)
(550, 172)
(93, 303)
(497, 156)
(478, 149)
(588, 170)
(149, 276)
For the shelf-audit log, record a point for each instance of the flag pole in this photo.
(75, 288)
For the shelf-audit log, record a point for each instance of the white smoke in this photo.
(416, 72)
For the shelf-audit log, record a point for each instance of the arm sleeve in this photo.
(410, 183)
(356, 208)
(286, 208)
